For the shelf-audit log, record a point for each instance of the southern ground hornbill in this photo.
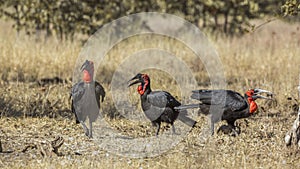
(226, 105)
(86, 98)
(158, 106)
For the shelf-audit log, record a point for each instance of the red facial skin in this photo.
(141, 89)
(253, 105)
(88, 76)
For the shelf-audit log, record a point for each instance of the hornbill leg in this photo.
(235, 130)
(227, 129)
(76, 117)
(212, 127)
(211, 123)
(157, 129)
(238, 129)
(173, 128)
(86, 130)
(91, 129)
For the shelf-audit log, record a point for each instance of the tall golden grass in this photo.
(267, 58)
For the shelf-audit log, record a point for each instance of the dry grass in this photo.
(268, 58)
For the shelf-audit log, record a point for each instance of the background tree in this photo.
(66, 18)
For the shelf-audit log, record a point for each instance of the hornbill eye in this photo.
(250, 92)
(145, 76)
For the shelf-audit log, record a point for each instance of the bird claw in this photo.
(87, 131)
(230, 130)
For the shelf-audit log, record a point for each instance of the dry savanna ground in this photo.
(32, 116)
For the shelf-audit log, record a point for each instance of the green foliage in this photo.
(65, 18)
(291, 8)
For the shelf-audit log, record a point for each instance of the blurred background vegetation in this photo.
(33, 112)
(66, 19)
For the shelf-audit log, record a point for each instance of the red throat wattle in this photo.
(252, 104)
(86, 76)
(142, 88)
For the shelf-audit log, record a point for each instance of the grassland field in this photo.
(32, 115)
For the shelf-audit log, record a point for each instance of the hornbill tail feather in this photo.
(186, 120)
(189, 106)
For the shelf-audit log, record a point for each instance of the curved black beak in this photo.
(84, 65)
(138, 77)
(258, 91)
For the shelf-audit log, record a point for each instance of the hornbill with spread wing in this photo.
(158, 106)
(85, 97)
(226, 105)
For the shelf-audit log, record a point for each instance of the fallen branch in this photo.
(56, 144)
(46, 148)
(31, 146)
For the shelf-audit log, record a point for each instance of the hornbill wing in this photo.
(77, 91)
(161, 102)
(210, 97)
(162, 99)
(76, 94)
(235, 101)
(227, 99)
(99, 89)
(153, 113)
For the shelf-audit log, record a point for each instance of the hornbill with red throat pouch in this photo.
(158, 106)
(85, 97)
(226, 105)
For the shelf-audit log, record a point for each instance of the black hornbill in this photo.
(158, 106)
(86, 97)
(226, 105)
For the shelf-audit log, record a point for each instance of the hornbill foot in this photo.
(87, 132)
(157, 131)
(76, 118)
(90, 135)
(174, 130)
(157, 128)
(230, 130)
